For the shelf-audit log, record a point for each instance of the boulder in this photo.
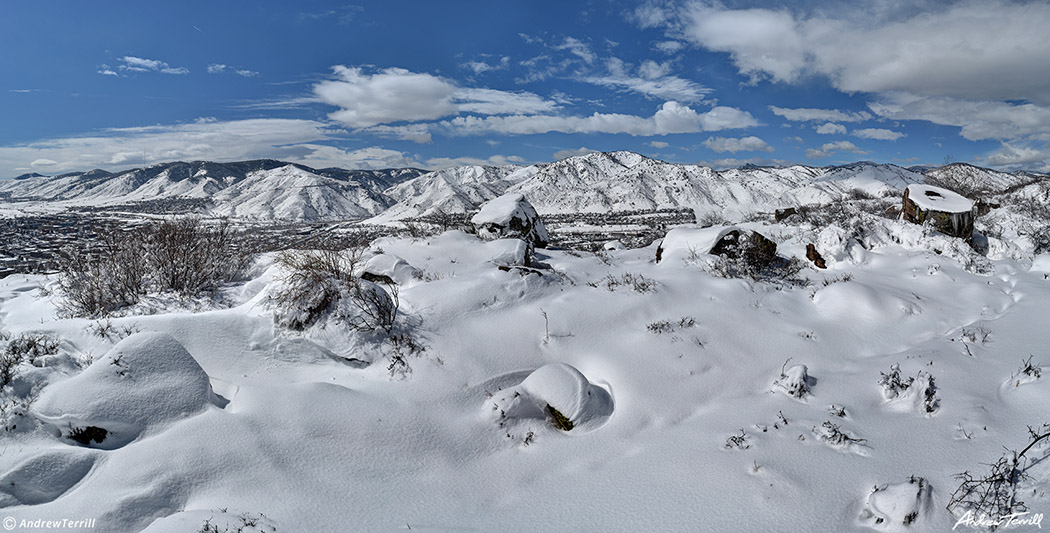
(510, 216)
(389, 269)
(558, 393)
(948, 212)
(813, 255)
(729, 241)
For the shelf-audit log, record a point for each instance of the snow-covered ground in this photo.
(699, 403)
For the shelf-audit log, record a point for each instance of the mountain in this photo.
(267, 189)
(263, 188)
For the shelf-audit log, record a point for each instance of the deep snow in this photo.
(660, 363)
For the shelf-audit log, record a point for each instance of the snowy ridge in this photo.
(595, 182)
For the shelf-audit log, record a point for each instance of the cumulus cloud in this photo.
(216, 68)
(805, 114)
(830, 128)
(672, 117)
(743, 144)
(879, 134)
(397, 95)
(830, 148)
(970, 50)
(207, 139)
(1020, 157)
(140, 64)
(978, 120)
(562, 154)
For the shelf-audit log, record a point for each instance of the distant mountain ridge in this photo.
(267, 189)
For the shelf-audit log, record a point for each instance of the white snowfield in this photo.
(683, 388)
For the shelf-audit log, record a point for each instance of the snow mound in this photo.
(510, 215)
(895, 506)
(795, 382)
(146, 379)
(509, 252)
(560, 393)
(933, 198)
(45, 477)
(389, 268)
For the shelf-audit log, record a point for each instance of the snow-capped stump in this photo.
(949, 212)
(510, 216)
(729, 241)
(899, 504)
(146, 379)
(558, 393)
(389, 269)
(795, 381)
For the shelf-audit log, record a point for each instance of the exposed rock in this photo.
(729, 241)
(948, 212)
(389, 269)
(752, 246)
(510, 216)
(813, 255)
(781, 214)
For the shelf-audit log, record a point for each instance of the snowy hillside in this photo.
(842, 399)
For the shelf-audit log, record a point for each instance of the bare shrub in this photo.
(190, 257)
(98, 282)
(995, 493)
(317, 283)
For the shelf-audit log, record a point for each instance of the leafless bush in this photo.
(995, 493)
(183, 255)
(636, 282)
(189, 257)
(321, 282)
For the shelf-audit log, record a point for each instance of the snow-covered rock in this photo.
(509, 252)
(949, 212)
(389, 268)
(553, 391)
(145, 380)
(510, 215)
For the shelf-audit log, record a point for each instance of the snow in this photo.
(145, 380)
(393, 267)
(225, 417)
(933, 198)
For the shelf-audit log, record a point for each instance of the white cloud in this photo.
(652, 79)
(106, 71)
(794, 139)
(672, 117)
(294, 140)
(879, 134)
(562, 154)
(657, 144)
(830, 148)
(498, 160)
(140, 64)
(991, 50)
(1020, 157)
(42, 163)
(578, 49)
(398, 95)
(418, 133)
(480, 66)
(669, 47)
(804, 114)
(246, 73)
(830, 128)
(216, 68)
(743, 144)
(978, 120)
(732, 162)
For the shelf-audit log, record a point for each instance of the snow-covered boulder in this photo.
(729, 241)
(510, 215)
(389, 268)
(559, 393)
(949, 212)
(146, 379)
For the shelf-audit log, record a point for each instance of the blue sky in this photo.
(430, 84)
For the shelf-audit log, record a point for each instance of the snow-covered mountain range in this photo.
(595, 182)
